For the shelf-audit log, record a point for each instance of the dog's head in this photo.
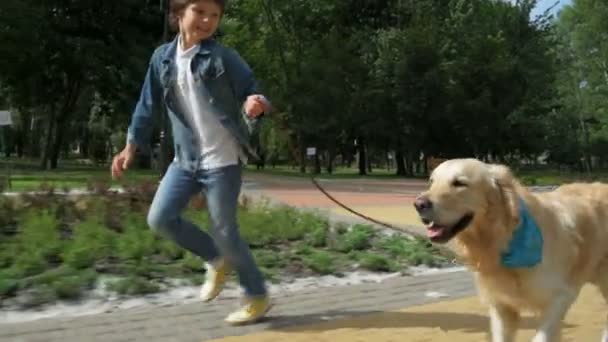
(464, 193)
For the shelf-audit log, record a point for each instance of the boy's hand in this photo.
(256, 105)
(122, 161)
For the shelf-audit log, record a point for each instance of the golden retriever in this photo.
(530, 252)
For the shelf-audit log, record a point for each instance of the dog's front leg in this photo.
(504, 321)
(550, 327)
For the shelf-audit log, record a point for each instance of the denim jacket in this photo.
(224, 75)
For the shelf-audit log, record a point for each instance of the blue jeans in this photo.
(221, 187)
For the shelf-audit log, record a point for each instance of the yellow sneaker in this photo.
(215, 278)
(252, 310)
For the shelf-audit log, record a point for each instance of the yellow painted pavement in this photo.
(463, 320)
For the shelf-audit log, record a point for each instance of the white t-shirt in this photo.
(217, 146)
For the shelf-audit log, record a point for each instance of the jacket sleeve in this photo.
(150, 101)
(243, 83)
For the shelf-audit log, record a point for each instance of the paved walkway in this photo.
(441, 307)
(201, 322)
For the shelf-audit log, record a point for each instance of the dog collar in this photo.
(526, 246)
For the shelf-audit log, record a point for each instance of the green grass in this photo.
(553, 177)
(357, 238)
(26, 175)
(321, 262)
(412, 252)
(53, 247)
(133, 285)
(378, 262)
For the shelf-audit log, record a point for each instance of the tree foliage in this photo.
(354, 78)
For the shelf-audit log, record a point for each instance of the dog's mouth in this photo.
(441, 233)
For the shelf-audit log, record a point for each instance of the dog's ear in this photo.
(501, 175)
(505, 184)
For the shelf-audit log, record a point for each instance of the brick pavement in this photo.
(201, 322)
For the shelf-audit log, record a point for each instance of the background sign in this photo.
(5, 118)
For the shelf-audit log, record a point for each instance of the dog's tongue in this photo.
(434, 231)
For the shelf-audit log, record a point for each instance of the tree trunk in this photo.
(21, 142)
(46, 153)
(362, 156)
(302, 158)
(69, 104)
(400, 163)
(368, 160)
(410, 164)
(84, 144)
(33, 145)
(19, 145)
(5, 143)
(331, 155)
(57, 144)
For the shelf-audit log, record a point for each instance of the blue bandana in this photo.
(526, 246)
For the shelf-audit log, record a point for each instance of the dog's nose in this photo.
(423, 204)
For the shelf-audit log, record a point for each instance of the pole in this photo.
(585, 131)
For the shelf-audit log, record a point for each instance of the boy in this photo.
(206, 87)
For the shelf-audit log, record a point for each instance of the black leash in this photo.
(365, 217)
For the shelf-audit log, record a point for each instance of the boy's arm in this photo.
(140, 128)
(244, 84)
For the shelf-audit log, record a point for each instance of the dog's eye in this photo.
(457, 183)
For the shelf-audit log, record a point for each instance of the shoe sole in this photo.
(207, 300)
(252, 321)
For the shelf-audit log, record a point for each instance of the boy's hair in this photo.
(177, 6)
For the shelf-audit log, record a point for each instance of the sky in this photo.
(543, 5)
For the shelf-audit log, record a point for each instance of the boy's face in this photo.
(200, 19)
